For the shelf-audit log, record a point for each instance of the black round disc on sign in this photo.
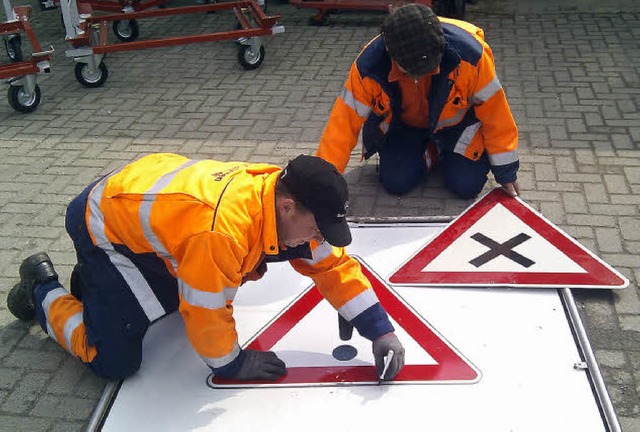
(344, 352)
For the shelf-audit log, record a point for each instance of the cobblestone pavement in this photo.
(571, 72)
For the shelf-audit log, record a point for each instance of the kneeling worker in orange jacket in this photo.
(168, 233)
(422, 92)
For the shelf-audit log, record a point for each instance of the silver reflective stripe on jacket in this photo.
(487, 91)
(479, 97)
(145, 213)
(452, 120)
(69, 327)
(217, 362)
(321, 251)
(361, 109)
(465, 138)
(358, 304)
(134, 279)
(52, 296)
(205, 299)
(503, 158)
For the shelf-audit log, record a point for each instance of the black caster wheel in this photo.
(127, 30)
(21, 101)
(13, 47)
(90, 78)
(248, 59)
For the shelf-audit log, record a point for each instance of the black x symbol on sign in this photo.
(496, 249)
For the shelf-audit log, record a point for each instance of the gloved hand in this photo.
(261, 366)
(512, 188)
(381, 347)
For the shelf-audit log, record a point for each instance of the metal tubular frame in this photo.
(265, 28)
(121, 5)
(102, 408)
(592, 368)
(88, 35)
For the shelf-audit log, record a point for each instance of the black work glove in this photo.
(261, 366)
(381, 347)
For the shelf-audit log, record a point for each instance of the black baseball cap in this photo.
(318, 186)
(414, 38)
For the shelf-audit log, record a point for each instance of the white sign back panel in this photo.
(519, 341)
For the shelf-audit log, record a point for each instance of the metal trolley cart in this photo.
(128, 32)
(449, 8)
(117, 6)
(88, 35)
(121, 5)
(24, 93)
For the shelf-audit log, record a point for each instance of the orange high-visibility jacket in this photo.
(212, 223)
(468, 110)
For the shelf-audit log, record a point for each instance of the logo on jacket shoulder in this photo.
(219, 175)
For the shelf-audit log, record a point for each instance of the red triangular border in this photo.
(450, 367)
(598, 274)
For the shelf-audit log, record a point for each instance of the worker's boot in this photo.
(34, 270)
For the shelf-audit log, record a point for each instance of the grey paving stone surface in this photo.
(571, 70)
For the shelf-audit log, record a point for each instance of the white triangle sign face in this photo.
(502, 241)
(299, 336)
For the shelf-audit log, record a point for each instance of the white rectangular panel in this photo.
(519, 341)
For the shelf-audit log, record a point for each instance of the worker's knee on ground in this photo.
(464, 177)
(465, 187)
(115, 371)
(399, 183)
(114, 365)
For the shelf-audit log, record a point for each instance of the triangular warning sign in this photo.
(502, 241)
(447, 364)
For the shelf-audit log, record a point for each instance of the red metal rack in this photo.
(88, 34)
(24, 94)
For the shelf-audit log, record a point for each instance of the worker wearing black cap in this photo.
(168, 233)
(423, 92)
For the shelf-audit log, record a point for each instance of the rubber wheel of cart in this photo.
(91, 80)
(248, 59)
(128, 32)
(12, 46)
(21, 101)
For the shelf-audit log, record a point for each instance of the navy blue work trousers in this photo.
(402, 162)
